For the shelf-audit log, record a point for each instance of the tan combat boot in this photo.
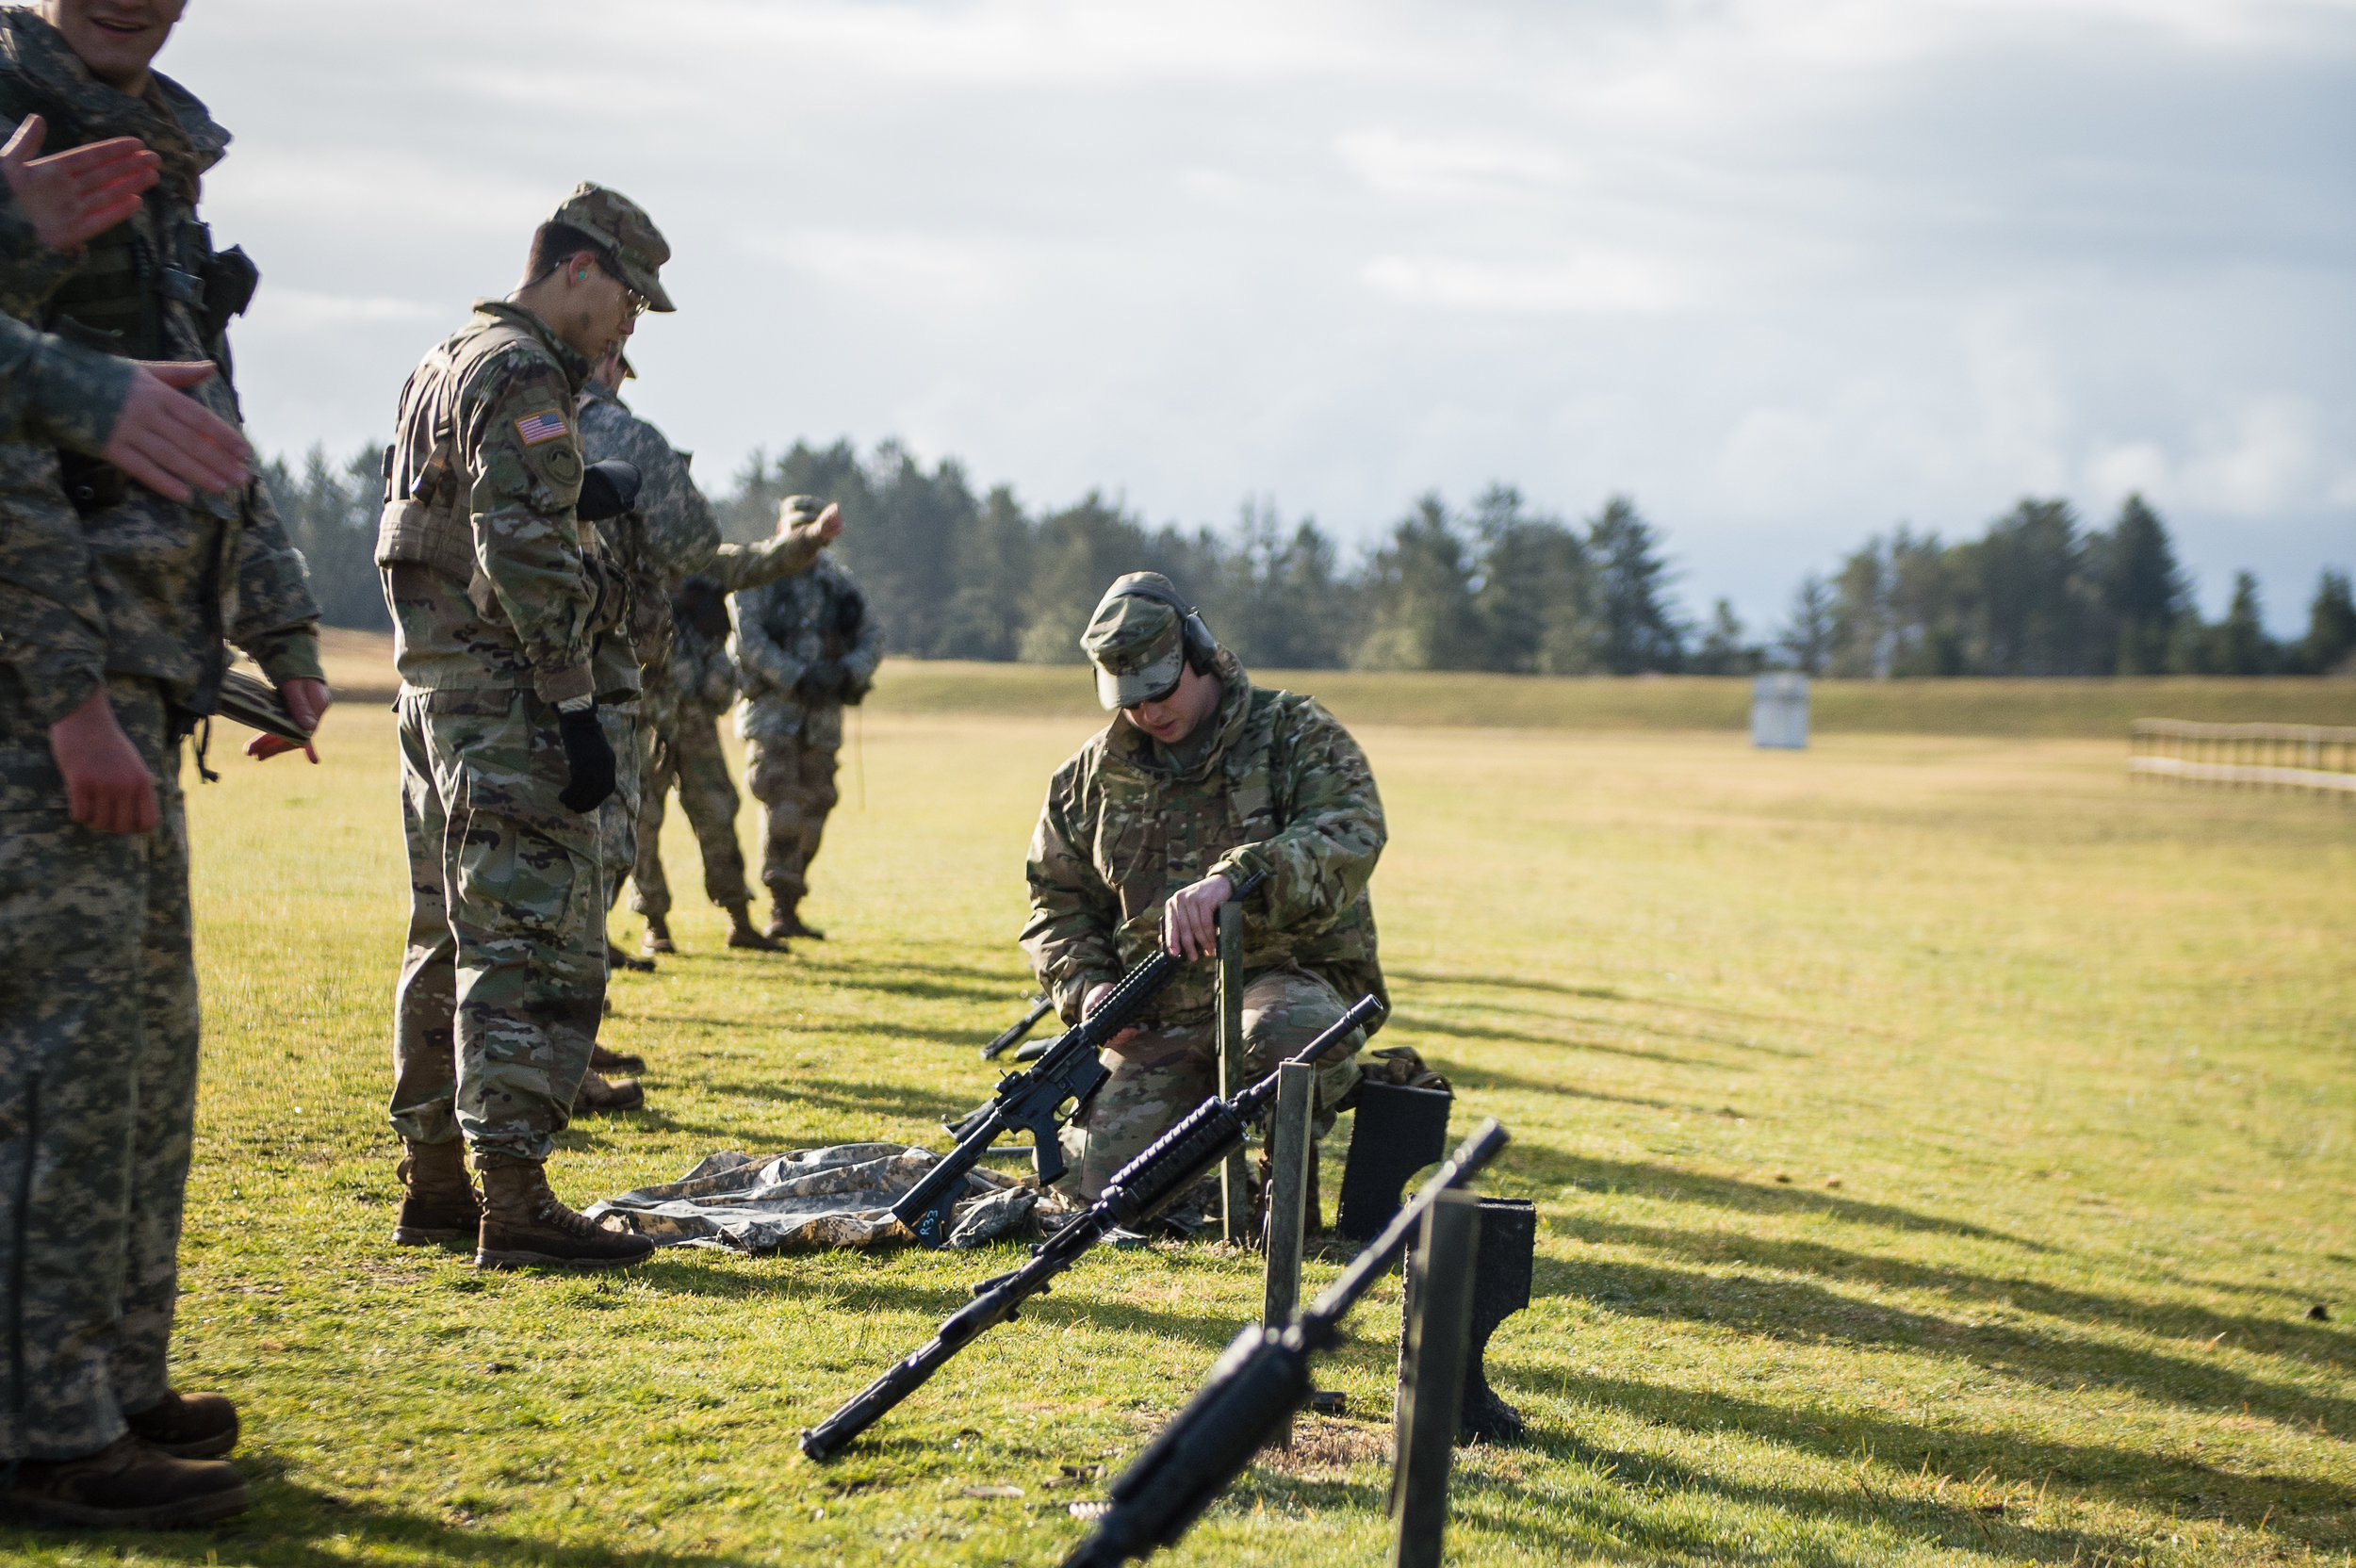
(616, 958)
(744, 933)
(657, 936)
(602, 1060)
(598, 1093)
(437, 1198)
(126, 1485)
(525, 1227)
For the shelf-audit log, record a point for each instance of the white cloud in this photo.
(1596, 282)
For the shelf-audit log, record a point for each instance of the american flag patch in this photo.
(546, 425)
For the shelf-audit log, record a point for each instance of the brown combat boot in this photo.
(598, 1093)
(602, 1060)
(186, 1426)
(657, 936)
(126, 1485)
(744, 933)
(616, 958)
(438, 1198)
(525, 1227)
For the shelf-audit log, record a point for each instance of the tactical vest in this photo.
(426, 521)
(115, 300)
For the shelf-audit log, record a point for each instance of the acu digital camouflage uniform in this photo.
(669, 532)
(102, 580)
(1269, 782)
(497, 608)
(804, 646)
(683, 701)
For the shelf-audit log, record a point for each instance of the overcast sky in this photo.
(1788, 274)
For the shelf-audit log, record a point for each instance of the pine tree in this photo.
(1639, 628)
(2141, 590)
(2330, 646)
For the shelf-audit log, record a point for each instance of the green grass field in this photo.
(1940, 1143)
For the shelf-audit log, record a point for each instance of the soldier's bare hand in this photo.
(1190, 918)
(826, 526)
(1095, 1000)
(307, 702)
(108, 788)
(171, 443)
(74, 196)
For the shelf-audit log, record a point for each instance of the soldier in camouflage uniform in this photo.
(804, 646)
(503, 610)
(668, 538)
(684, 703)
(118, 587)
(1200, 780)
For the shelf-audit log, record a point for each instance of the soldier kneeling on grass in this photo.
(1200, 780)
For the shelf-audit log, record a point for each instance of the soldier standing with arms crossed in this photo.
(119, 586)
(684, 665)
(1201, 779)
(805, 646)
(498, 601)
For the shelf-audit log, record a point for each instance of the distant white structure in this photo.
(1779, 712)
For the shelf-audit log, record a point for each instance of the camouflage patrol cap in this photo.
(622, 226)
(1137, 642)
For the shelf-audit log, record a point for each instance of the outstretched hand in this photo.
(828, 525)
(307, 702)
(174, 444)
(74, 196)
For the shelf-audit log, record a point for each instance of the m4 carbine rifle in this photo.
(1262, 1378)
(1139, 1190)
(1034, 1099)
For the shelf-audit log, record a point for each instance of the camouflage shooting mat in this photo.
(811, 1199)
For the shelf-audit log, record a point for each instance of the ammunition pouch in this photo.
(229, 279)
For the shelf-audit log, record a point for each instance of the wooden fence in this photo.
(2257, 756)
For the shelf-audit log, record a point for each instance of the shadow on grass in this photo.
(1604, 993)
(1479, 1079)
(2008, 1461)
(1552, 1168)
(294, 1527)
(2040, 1354)
(1456, 1030)
(694, 1272)
(2169, 1319)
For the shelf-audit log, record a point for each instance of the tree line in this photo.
(1495, 585)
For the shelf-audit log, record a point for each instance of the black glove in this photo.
(608, 489)
(820, 680)
(589, 758)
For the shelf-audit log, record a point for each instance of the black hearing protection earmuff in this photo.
(1200, 646)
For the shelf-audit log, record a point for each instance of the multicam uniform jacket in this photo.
(700, 681)
(144, 587)
(485, 567)
(1282, 788)
(785, 627)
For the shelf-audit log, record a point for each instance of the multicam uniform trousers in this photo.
(98, 1051)
(1166, 1072)
(497, 1008)
(687, 756)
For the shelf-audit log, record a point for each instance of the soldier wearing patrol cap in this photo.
(1201, 779)
(506, 614)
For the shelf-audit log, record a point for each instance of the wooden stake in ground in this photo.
(1290, 1149)
(1234, 1179)
(1431, 1376)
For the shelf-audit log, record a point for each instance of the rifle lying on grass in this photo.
(1019, 1028)
(1139, 1190)
(1033, 1099)
(1262, 1378)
